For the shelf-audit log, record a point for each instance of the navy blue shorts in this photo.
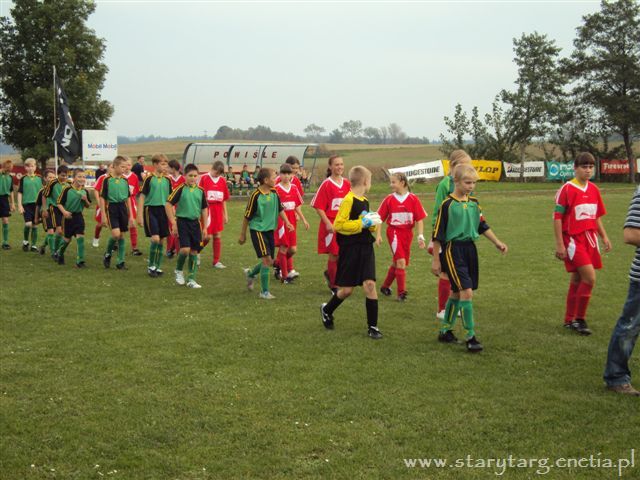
(460, 262)
(156, 221)
(190, 234)
(118, 216)
(29, 212)
(54, 219)
(73, 226)
(263, 243)
(5, 207)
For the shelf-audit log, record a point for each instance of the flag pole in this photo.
(55, 143)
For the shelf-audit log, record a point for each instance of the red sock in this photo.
(332, 268)
(570, 313)
(391, 275)
(290, 261)
(205, 242)
(444, 290)
(401, 278)
(583, 295)
(217, 248)
(170, 242)
(282, 261)
(133, 232)
(176, 243)
(96, 232)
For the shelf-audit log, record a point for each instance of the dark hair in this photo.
(218, 166)
(47, 172)
(174, 164)
(190, 167)
(63, 169)
(584, 158)
(291, 160)
(139, 157)
(286, 168)
(263, 174)
(330, 161)
(76, 171)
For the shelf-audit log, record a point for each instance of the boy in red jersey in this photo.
(576, 221)
(401, 210)
(286, 240)
(327, 202)
(134, 190)
(97, 187)
(176, 179)
(214, 185)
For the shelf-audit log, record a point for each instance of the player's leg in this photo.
(217, 249)
(332, 269)
(587, 280)
(26, 232)
(80, 263)
(5, 233)
(371, 306)
(571, 301)
(290, 253)
(282, 262)
(401, 278)
(193, 268)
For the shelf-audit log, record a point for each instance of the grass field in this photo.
(109, 374)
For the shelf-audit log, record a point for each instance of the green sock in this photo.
(159, 255)
(34, 235)
(255, 270)
(264, 278)
(180, 262)
(51, 237)
(120, 250)
(25, 233)
(152, 254)
(62, 248)
(80, 256)
(193, 266)
(467, 317)
(5, 233)
(450, 314)
(110, 244)
(58, 241)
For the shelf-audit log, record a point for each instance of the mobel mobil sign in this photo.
(99, 145)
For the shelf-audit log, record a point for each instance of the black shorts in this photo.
(156, 221)
(29, 212)
(73, 226)
(459, 261)
(190, 234)
(263, 243)
(118, 216)
(54, 219)
(5, 207)
(356, 263)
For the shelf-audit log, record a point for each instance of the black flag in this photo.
(65, 134)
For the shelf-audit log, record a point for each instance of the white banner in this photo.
(421, 170)
(99, 145)
(236, 155)
(531, 169)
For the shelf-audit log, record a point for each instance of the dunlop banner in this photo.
(421, 170)
(489, 170)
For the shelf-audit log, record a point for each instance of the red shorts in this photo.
(582, 249)
(215, 222)
(284, 237)
(400, 240)
(327, 241)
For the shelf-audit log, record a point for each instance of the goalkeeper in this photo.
(355, 228)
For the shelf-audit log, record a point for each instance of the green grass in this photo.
(105, 371)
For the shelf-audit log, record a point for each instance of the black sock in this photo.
(372, 312)
(334, 303)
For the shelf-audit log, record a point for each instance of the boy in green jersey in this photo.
(50, 214)
(115, 206)
(48, 175)
(261, 216)
(191, 212)
(7, 204)
(72, 200)
(458, 225)
(30, 185)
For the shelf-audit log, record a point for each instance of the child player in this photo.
(115, 204)
(261, 216)
(401, 210)
(134, 190)
(97, 187)
(459, 224)
(73, 199)
(286, 240)
(188, 204)
(176, 180)
(443, 190)
(215, 187)
(51, 214)
(151, 203)
(49, 175)
(327, 201)
(30, 185)
(7, 204)
(354, 226)
(295, 169)
(576, 224)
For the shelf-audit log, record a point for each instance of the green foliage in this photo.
(37, 37)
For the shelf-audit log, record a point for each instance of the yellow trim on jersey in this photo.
(263, 247)
(452, 268)
(439, 217)
(252, 200)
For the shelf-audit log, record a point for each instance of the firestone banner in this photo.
(531, 169)
(421, 170)
(488, 170)
(614, 167)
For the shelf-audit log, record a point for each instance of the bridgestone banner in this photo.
(421, 170)
(614, 167)
(488, 170)
(531, 169)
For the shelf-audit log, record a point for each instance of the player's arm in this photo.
(243, 231)
(283, 214)
(43, 206)
(420, 228)
(225, 214)
(172, 201)
(603, 234)
(493, 239)
(140, 208)
(439, 236)
(299, 214)
(442, 190)
(20, 190)
(342, 224)
(559, 212)
(204, 215)
(12, 203)
(86, 199)
(60, 203)
(249, 212)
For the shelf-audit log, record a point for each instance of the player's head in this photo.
(399, 183)
(119, 165)
(336, 166)
(465, 178)
(7, 165)
(191, 174)
(140, 159)
(267, 176)
(63, 173)
(286, 172)
(295, 164)
(458, 157)
(30, 165)
(79, 176)
(244, 167)
(160, 162)
(217, 168)
(174, 166)
(48, 175)
(360, 176)
(584, 165)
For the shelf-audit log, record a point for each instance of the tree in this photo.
(395, 133)
(336, 136)
(38, 36)
(458, 127)
(372, 134)
(314, 131)
(351, 129)
(384, 134)
(539, 89)
(606, 67)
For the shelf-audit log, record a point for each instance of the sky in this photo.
(183, 67)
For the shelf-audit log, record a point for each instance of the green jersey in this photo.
(444, 189)
(29, 187)
(156, 190)
(459, 221)
(52, 191)
(6, 183)
(71, 199)
(115, 189)
(189, 201)
(262, 210)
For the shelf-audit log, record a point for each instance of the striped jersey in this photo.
(633, 221)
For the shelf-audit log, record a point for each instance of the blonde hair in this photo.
(464, 171)
(458, 156)
(358, 174)
(119, 160)
(159, 158)
(402, 178)
(30, 161)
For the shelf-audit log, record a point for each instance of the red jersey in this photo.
(401, 211)
(175, 182)
(134, 184)
(578, 207)
(295, 180)
(329, 196)
(98, 185)
(290, 199)
(215, 188)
